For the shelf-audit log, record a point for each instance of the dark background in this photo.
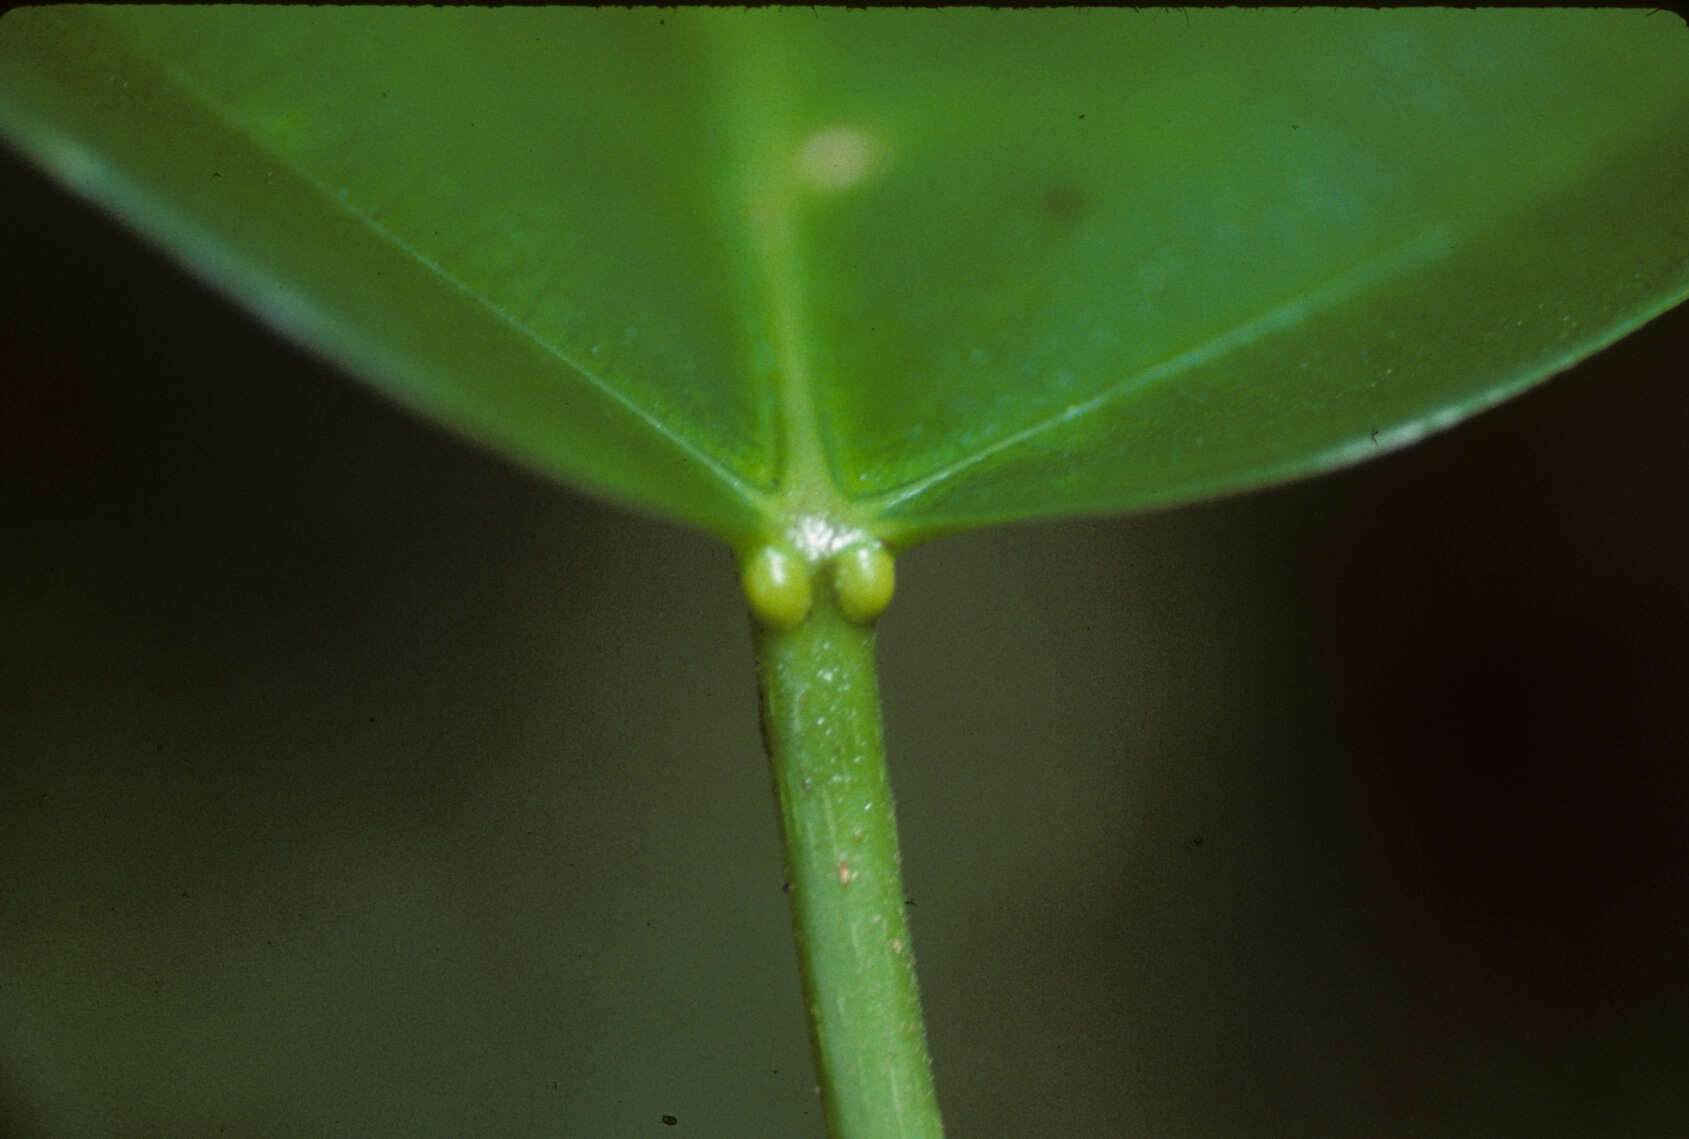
(355, 782)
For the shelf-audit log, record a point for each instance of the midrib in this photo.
(804, 482)
(756, 82)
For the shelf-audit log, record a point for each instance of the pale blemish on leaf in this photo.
(838, 158)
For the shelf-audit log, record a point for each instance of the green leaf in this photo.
(809, 273)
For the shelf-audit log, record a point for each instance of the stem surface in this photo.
(821, 725)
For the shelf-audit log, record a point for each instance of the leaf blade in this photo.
(105, 112)
(1262, 214)
(904, 271)
(1528, 320)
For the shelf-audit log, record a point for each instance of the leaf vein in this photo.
(1392, 263)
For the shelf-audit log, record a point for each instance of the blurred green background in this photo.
(354, 782)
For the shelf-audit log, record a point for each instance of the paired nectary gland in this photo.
(780, 585)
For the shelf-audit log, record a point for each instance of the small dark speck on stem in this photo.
(669, 1121)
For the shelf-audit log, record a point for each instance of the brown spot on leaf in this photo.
(1064, 202)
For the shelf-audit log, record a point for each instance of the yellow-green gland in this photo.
(863, 581)
(777, 585)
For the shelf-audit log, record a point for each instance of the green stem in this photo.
(821, 724)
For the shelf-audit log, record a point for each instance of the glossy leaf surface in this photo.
(904, 271)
